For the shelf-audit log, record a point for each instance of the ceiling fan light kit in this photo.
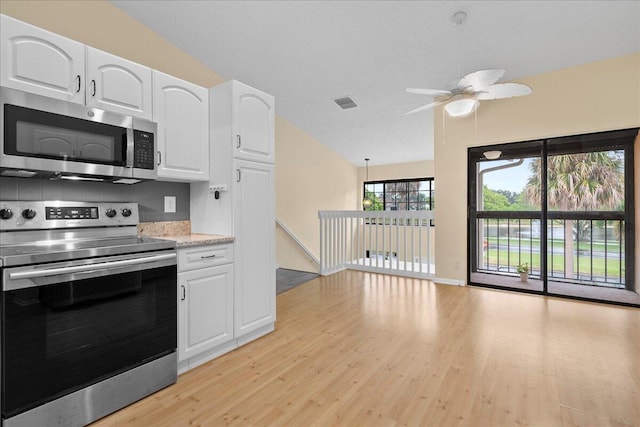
(461, 107)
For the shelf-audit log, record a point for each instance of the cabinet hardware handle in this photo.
(239, 175)
(207, 256)
(159, 157)
(184, 293)
(239, 141)
(93, 82)
(78, 78)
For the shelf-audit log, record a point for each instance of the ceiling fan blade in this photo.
(480, 80)
(504, 90)
(432, 92)
(426, 107)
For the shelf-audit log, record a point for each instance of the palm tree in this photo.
(578, 182)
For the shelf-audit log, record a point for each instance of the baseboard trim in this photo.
(453, 282)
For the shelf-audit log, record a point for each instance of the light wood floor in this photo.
(362, 349)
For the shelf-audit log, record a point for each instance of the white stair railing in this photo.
(395, 242)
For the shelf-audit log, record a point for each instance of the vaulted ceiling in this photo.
(307, 53)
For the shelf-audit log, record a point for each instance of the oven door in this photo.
(66, 326)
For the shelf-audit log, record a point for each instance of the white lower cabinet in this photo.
(205, 304)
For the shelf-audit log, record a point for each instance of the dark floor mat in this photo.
(288, 279)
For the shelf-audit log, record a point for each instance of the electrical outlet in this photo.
(169, 204)
(456, 265)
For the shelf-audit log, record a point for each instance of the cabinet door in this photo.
(118, 85)
(254, 226)
(181, 110)
(205, 318)
(40, 62)
(253, 116)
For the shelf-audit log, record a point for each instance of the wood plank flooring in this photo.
(362, 349)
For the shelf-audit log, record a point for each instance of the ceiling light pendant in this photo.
(462, 107)
(366, 202)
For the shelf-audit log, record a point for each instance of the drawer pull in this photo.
(208, 256)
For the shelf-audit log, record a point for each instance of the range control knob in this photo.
(28, 213)
(6, 213)
(126, 212)
(110, 213)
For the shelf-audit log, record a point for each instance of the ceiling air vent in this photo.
(345, 103)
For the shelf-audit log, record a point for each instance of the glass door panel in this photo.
(589, 189)
(506, 212)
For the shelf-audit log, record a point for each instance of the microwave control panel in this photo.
(144, 153)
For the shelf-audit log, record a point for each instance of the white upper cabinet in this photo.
(38, 61)
(253, 114)
(118, 85)
(181, 110)
(44, 63)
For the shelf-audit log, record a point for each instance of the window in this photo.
(415, 194)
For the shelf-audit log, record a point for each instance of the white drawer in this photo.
(204, 256)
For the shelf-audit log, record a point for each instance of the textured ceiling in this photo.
(306, 53)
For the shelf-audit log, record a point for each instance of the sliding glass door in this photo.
(560, 210)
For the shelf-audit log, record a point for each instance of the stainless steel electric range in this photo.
(88, 313)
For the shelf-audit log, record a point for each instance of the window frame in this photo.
(623, 139)
(430, 190)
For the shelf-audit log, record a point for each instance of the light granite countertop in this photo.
(180, 232)
(186, 240)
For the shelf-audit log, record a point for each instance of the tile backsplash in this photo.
(149, 195)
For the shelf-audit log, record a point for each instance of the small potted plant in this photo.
(523, 270)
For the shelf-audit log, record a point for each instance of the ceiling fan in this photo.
(465, 98)
(481, 85)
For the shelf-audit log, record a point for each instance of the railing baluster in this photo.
(397, 245)
(577, 270)
(508, 246)
(404, 243)
(428, 231)
(531, 246)
(591, 250)
(413, 248)
(622, 280)
(384, 234)
(420, 248)
(606, 255)
(498, 240)
(552, 251)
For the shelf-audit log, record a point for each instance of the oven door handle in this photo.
(88, 268)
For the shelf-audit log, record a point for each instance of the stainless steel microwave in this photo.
(47, 138)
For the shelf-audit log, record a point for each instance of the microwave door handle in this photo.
(130, 148)
(88, 268)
